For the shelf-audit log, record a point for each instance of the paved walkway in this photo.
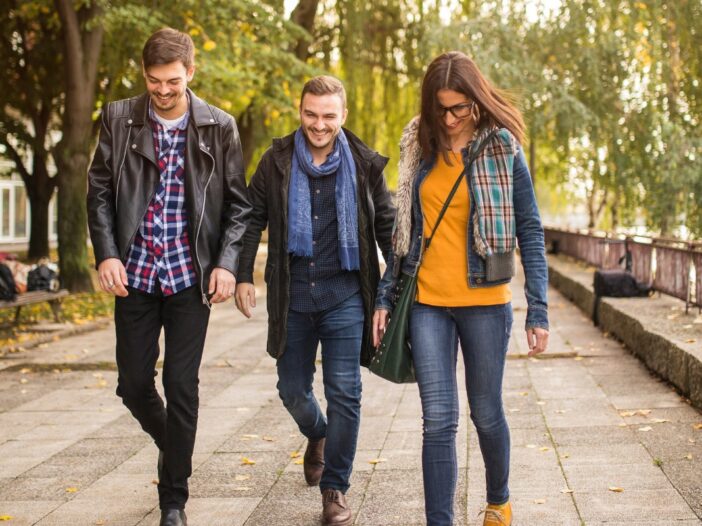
(595, 439)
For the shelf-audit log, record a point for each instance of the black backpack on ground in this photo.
(617, 283)
(8, 290)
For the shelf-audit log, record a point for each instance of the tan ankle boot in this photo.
(313, 461)
(335, 510)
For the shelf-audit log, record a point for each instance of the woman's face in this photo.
(455, 113)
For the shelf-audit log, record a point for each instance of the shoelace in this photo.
(494, 515)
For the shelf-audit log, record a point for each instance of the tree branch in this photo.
(17, 159)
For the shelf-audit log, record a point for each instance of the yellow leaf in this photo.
(5, 518)
(269, 439)
(299, 461)
(645, 428)
(627, 413)
(100, 522)
(690, 340)
(249, 436)
(565, 455)
(539, 501)
(697, 426)
(688, 456)
(209, 45)
(524, 393)
(239, 478)
(247, 461)
(295, 454)
(578, 358)
(615, 489)
(71, 490)
(377, 461)
(540, 402)
(644, 412)
(25, 370)
(566, 490)
(24, 381)
(544, 449)
(531, 446)
(659, 420)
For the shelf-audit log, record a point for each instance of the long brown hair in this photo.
(455, 71)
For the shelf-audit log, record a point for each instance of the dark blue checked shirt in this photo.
(319, 283)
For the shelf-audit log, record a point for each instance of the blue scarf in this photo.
(300, 203)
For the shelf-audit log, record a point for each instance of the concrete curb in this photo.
(49, 337)
(626, 318)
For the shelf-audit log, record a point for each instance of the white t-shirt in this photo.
(168, 123)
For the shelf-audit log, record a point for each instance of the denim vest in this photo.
(530, 237)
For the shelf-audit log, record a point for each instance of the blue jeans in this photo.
(340, 330)
(483, 333)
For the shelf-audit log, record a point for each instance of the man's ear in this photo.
(190, 72)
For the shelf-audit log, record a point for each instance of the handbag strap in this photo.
(480, 149)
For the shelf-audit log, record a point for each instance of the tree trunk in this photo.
(39, 228)
(82, 38)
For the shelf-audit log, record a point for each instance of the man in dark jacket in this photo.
(168, 207)
(322, 194)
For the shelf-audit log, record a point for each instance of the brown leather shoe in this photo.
(313, 461)
(335, 510)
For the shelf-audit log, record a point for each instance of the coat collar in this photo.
(201, 113)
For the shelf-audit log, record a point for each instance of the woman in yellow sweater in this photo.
(466, 129)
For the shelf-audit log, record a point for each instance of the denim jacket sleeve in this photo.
(530, 236)
(383, 298)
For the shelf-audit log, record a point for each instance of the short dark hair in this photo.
(168, 45)
(324, 85)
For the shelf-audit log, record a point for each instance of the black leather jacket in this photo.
(124, 175)
(268, 192)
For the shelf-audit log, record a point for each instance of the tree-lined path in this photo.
(595, 438)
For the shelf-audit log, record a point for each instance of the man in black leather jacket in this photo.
(167, 207)
(322, 194)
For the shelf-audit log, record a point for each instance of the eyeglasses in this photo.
(460, 111)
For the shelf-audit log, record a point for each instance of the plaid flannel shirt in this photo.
(160, 256)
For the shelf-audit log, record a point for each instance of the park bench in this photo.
(37, 296)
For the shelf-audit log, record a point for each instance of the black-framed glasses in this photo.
(460, 111)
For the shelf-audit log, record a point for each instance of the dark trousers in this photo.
(139, 318)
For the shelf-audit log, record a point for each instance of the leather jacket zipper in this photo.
(199, 226)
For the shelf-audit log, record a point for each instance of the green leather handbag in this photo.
(393, 358)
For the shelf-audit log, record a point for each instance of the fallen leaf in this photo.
(154, 482)
(690, 340)
(566, 455)
(540, 402)
(24, 381)
(247, 461)
(239, 478)
(524, 393)
(688, 456)
(622, 424)
(295, 454)
(6, 518)
(645, 428)
(514, 410)
(691, 440)
(627, 413)
(100, 522)
(566, 490)
(659, 420)
(544, 448)
(25, 370)
(531, 446)
(71, 490)
(697, 426)
(539, 501)
(643, 412)
(560, 411)
(249, 436)
(377, 461)
(615, 489)
(268, 439)
(299, 461)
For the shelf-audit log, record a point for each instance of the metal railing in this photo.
(671, 266)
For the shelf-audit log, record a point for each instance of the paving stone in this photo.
(25, 512)
(632, 506)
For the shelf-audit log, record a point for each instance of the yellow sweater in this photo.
(443, 275)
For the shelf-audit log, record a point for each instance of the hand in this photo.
(113, 277)
(245, 298)
(221, 286)
(380, 322)
(537, 340)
